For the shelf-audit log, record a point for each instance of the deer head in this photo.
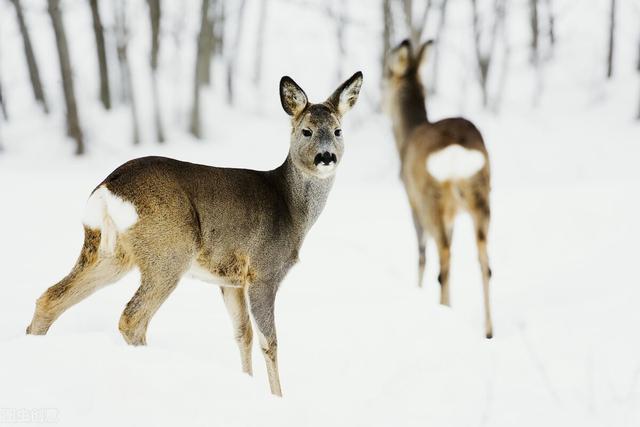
(316, 134)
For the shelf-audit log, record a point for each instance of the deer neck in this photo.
(305, 195)
(409, 111)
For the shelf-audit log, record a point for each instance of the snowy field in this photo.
(359, 343)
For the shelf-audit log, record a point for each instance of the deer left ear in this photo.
(347, 94)
(422, 52)
(292, 97)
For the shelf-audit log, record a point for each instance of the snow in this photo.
(359, 343)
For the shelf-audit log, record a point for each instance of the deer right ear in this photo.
(399, 58)
(292, 97)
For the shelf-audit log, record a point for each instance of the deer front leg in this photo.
(421, 246)
(234, 299)
(261, 302)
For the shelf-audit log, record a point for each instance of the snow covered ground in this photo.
(359, 343)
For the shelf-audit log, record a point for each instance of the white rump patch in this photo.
(454, 162)
(109, 213)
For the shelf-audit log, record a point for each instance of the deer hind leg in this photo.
(236, 304)
(155, 288)
(421, 247)
(93, 270)
(443, 238)
(261, 301)
(481, 216)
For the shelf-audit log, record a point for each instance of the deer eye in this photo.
(306, 132)
(337, 132)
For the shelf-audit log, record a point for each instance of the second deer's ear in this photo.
(422, 52)
(347, 94)
(399, 59)
(292, 97)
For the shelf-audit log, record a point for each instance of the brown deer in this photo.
(444, 168)
(238, 228)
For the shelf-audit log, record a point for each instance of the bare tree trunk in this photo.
(612, 30)
(73, 123)
(262, 24)
(122, 42)
(34, 72)
(154, 16)
(233, 54)
(337, 11)
(415, 31)
(484, 57)
(200, 69)
(407, 8)
(436, 53)
(638, 68)
(209, 43)
(387, 33)
(3, 104)
(98, 31)
(535, 32)
(551, 30)
(219, 23)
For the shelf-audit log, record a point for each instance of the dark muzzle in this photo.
(325, 158)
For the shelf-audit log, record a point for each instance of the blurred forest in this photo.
(221, 35)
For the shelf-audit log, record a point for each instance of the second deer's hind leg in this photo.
(443, 235)
(93, 270)
(236, 304)
(421, 247)
(481, 214)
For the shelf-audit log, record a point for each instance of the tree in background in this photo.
(154, 16)
(260, 38)
(98, 31)
(415, 30)
(433, 87)
(232, 55)
(551, 24)
(32, 64)
(612, 31)
(3, 105)
(73, 123)
(485, 41)
(209, 42)
(638, 69)
(122, 43)
(387, 32)
(534, 55)
(203, 57)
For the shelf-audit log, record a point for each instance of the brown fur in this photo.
(435, 204)
(243, 226)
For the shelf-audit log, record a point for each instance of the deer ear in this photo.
(399, 59)
(422, 52)
(347, 94)
(292, 97)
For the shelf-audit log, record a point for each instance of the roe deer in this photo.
(238, 228)
(444, 168)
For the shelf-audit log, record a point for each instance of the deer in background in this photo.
(444, 168)
(241, 229)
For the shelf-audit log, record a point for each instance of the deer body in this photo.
(444, 168)
(241, 229)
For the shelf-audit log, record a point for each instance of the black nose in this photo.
(325, 158)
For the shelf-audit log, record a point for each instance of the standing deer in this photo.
(444, 168)
(241, 229)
